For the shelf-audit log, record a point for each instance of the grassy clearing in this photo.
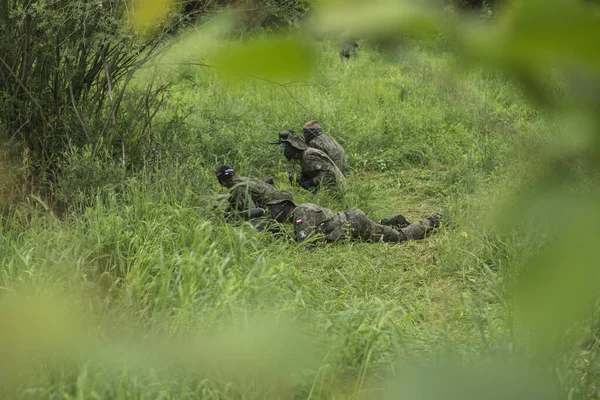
(152, 257)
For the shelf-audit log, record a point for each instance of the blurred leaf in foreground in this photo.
(36, 330)
(145, 15)
(491, 380)
(377, 18)
(560, 286)
(275, 58)
(547, 33)
(529, 36)
(534, 36)
(47, 334)
(195, 44)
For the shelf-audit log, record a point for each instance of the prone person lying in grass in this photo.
(248, 197)
(312, 221)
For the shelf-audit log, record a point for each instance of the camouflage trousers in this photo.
(347, 50)
(363, 228)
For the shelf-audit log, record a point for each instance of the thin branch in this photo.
(284, 86)
(232, 10)
(304, 83)
(112, 110)
(110, 98)
(190, 63)
(40, 109)
(17, 131)
(298, 101)
(77, 114)
(123, 158)
(186, 77)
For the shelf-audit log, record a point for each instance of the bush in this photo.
(83, 173)
(65, 67)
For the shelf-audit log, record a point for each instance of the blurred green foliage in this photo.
(279, 59)
(514, 283)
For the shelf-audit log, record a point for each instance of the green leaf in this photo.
(560, 286)
(276, 59)
(490, 379)
(379, 18)
(145, 15)
(535, 33)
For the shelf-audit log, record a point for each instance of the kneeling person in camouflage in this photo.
(311, 220)
(317, 169)
(348, 46)
(315, 137)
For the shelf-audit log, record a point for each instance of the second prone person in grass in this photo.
(314, 223)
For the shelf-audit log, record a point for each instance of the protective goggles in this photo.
(228, 171)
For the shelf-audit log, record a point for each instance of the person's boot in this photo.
(396, 221)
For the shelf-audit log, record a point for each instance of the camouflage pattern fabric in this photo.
(310, 220)
(348, 45)
(280, 197)
(318, 166)
(248, 193)
(362, 228)
(276, 203)
(296, 141)
(418, 230)
(333, 149)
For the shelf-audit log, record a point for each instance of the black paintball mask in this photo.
(224, 174)
(311, 133)
(289, 151)
(285, 134)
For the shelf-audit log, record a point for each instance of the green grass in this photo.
(151, 266)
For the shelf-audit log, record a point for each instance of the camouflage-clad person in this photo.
(348, 46)
(248, 197)
(317, 169)
(310, 220)
(315, 137)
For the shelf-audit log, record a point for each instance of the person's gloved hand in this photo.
(259, 224)
(307, 184)
(257, 212)
(270, 181)
(291, 176)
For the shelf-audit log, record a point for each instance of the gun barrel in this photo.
(275, 142)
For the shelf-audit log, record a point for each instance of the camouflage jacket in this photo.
(247, 193)
(318, 166)
(321, 223)
(332, 148)
(348, 44)
(310, 219)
